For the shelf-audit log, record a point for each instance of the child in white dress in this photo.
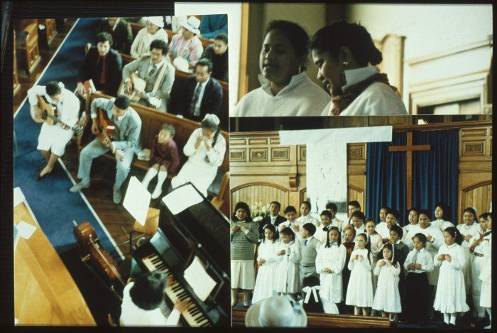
(330, 261)
(376, 245)
(387, 297)
(266, 261)
(360, 288)
(470, 231)
(486, 273)
(287, 270)
(450, 297)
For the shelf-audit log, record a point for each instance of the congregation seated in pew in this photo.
(217, 53)
(120, 29)
(186, 47)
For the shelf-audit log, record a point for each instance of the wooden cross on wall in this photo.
(409, 148)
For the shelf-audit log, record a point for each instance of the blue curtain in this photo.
(386, 178)
(435, 172)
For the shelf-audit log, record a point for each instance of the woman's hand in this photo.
(448, 257)
(441, 257)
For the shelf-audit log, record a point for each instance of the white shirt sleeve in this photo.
(33, 92)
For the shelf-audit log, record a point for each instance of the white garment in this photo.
(477, 263)
(441, 224)
(201, 167)
(360, 230)
(378, 99)
(451, 293)
(295, 225)
(360, 288)
(330, 284)
(53, 137)
(301, 97)
(486, 273)
(308, 219)
(382, 229)
(472, 230)
(132, 315)
(423, 257)
(142, 41)
(431, 246)
(321, 235)
(287, 271)
(376, 245)
(405, 232)
(337, 223)
(242, 274)
(387, 297)
(265, 275)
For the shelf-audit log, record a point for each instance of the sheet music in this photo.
(137, 200)
(198, 278)
(18, 196)
(182, 198)
(25, 230)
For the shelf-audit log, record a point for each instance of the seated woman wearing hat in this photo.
(153, 30)
(276, 311)
(143, 303)
(286, 89)
(205, 150)
(186, 48)
(347, 59)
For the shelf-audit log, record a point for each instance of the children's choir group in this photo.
(363, 267)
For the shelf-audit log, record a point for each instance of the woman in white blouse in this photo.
(347, 57)
(153, 30)
(286, 89)
(205, 150)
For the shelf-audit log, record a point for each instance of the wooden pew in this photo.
(47, 31)
(325, 320)
(181, 76)
(27, 45)
(152, 121)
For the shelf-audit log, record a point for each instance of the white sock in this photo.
(151, 172)
(161, 177)
(453, 317)
(446, 318)
(489, 311)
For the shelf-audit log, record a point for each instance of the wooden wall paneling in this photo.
(259, 194)
(15, 77)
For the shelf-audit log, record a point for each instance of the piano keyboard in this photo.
(176, 293)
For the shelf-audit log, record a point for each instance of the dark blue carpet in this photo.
(54, 207)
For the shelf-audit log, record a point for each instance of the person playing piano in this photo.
(205, 150)
(144, 305)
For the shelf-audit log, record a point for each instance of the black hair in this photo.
(454, 232)
(169, 128)
(307, 203)
(391, 247)
(272, 228)
(358, 214)
(350, 35)
(148, 290)
(350, 228)
(52, 88)
(288, 231)
(244, 206)
(472, 211)
(398, 230)
(103, 37)
(354, 203)
(484, 215)
(296, 35)
(393, 212)
(122, 102)
(368, 245)
(159, 44)
(326, 213)
(328, 244)
(332, 206)
(422, 238)
(412, 209)
(310, 227)
(205, 62)
(445, 210)
(276, 203)
(425, 212)
(222, 37)
(369, 219)
(290, 209)
(207, 123)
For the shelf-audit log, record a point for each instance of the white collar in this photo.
(294, 81)
(353, 76)
(159, 64)
(451, 245)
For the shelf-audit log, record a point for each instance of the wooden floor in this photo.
(115, 218)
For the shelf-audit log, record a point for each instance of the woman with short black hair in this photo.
(286, 89)
(347, 57)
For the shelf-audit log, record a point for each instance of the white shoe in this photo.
(157, 192)
(79, 186)
(488, 327)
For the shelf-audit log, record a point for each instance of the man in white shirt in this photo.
(305, 216)
(321, 233)
(53, 139)
(291, 222)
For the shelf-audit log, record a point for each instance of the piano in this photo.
(199, 231)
